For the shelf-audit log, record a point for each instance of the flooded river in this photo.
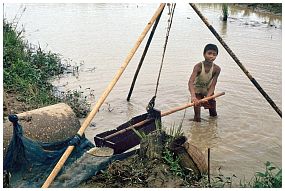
(247, 132)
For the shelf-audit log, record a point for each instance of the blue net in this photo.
(30, 162)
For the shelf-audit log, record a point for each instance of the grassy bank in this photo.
(27, 71)
(134, 172)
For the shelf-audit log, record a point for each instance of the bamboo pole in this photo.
(143, 56)
(101, 100)
(219, 38)
(191, 104)
(164, 114)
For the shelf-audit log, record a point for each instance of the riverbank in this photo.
(27, 72)
(167, 172)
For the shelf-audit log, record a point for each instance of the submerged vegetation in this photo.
(271, 7)
(275, 8)
(27, 71)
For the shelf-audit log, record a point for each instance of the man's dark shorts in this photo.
(211, 104)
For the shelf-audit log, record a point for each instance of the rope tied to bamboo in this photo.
(101, 100)
(171, 8)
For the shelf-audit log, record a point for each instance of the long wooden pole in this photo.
(191, 104)
(255, 83)
(101, 100)
(143, 56)
(164, 114)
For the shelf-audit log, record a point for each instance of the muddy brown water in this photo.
(247, 132)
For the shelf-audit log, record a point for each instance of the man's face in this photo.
(210, 55)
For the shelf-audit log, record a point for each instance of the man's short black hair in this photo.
(211, 47)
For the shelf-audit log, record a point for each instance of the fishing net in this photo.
(30, 162)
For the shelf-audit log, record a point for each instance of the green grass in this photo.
(27, 72)
(270, 178)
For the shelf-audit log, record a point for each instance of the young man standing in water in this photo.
(203, 81)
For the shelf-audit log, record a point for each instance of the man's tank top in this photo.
(203, 80)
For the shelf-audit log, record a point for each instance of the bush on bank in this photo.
(27, 71)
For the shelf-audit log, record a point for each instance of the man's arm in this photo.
(214, 81)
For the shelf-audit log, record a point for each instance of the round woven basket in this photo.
(190, 156)
(197, 156)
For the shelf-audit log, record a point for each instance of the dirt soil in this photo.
(11, 104)
(134, 172)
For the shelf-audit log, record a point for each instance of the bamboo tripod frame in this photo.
(143, 56)
(101, 100)
(246, 72)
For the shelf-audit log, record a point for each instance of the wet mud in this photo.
(135, 172)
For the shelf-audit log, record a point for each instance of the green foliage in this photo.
(77, 101)
(222, 181)
(271, 178)
(169, 157)
(173, 163)
(175, 131)
(219, 181)
(141, 134)
(48, 63)
(13, 45)
(158, 125)
(27, 71)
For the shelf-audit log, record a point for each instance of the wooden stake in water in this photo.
(209, 166)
